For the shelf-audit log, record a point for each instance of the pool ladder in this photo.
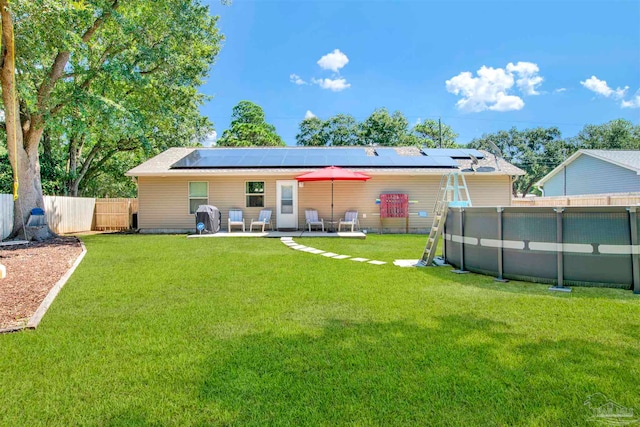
(453, 192)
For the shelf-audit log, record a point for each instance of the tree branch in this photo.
(62, 58)
(98, 22)
(90, 172)
(153, 69)
(87, 162)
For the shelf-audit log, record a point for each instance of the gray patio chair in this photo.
(263, 219)
(350, 218)
(235, 219)
(311, 219)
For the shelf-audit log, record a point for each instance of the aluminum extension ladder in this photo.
(453, 192)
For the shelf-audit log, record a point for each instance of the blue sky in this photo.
(481, 66)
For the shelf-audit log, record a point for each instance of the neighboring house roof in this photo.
(182, 161)
(628, 159)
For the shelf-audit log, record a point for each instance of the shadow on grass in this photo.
(487, 282)
(465, 371)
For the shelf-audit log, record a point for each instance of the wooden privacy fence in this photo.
(115, 214)
(629, 199)
(6, 215)
(69, 214)
(75, 214)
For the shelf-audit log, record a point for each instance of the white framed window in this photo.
(198, 195)
(254, 194)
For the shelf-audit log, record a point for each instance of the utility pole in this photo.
(440, 130)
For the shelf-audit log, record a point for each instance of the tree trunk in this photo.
(72, 187)
(78, 176)
(23, 139)
(72, 182)
(528, 187)
(47, 152)
(23, 149)
(30, 188)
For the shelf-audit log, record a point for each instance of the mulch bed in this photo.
(32, 270)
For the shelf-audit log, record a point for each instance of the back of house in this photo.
(173, 184)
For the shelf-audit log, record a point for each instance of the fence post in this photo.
(444, 233)
(461, 270)
(559, 241)
(635, 254)
(500, 249)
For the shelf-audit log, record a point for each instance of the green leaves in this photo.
(383, 129)
(341, 130)
(312, 133)
(617, 134)
(128, 90)
(428, 134)
(249, 128)
(380, 128)
(538, 151)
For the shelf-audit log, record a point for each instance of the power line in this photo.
(416, 117)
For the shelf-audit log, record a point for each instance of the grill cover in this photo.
(210, 217)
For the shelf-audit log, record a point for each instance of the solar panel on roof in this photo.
(234, 161)
(314, 157)
(294, 161)
(444, 161)
(315, 160)
(386, 152)
(456, 153)
(268, 161)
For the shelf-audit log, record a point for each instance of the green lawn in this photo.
(164, 330)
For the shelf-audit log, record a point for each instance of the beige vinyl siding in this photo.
(164, 203)
(492, 190)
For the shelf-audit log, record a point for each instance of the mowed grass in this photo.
(164, 330)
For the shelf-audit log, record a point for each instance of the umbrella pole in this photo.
(332, 224)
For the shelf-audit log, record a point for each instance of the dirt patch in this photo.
(32, 270)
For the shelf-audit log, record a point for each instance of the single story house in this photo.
(174, 183)
(594, 172)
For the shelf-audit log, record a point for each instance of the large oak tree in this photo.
(102, 77)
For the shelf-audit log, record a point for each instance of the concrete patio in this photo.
(280, 234)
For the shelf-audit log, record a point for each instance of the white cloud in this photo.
(507, 103)
(482, 92)
(335, 85)
(210, 139)
(294, 78)
(528, 78)
(601, 87)
(559, 90)
(333, 61)
(633, 103)
(493, 88)
(309, 115)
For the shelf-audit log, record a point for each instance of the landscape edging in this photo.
(34, 321)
